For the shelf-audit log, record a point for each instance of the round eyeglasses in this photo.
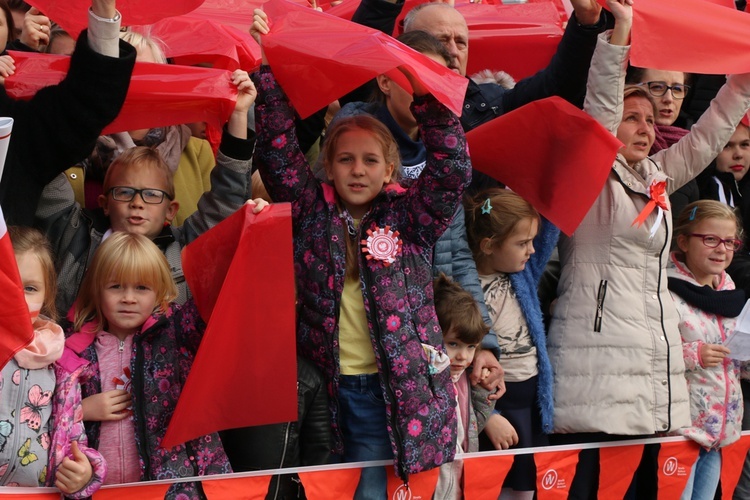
(148, 195)
(658, 89)
(713, 241)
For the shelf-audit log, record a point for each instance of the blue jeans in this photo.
(704, 478)
(363, 425)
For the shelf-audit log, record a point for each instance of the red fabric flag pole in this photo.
(72, 15)
(242, 278)
(159, 94)
(317, 58)
(552, 154)
(15, 322)
(695, 36)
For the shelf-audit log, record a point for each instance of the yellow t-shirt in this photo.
(356, 355)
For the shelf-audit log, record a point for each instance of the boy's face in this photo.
(136, 216)
(460, 353)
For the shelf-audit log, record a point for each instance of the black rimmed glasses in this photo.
(148, 195)
(658, 89)
(713, 241)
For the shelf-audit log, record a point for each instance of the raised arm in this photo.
(59, 126)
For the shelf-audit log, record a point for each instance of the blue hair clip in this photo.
(486, 206)
(692, 213)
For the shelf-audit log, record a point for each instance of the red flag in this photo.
(695, 36)
(552, 154)
(518, 39)
(317, 58)
(617, 465)
(420, 485)
(675, 461)
(484, 476)
(333, 483)
(72, 15)
(242, 278)
(732, 462)
(15, 322)
(222, 46)
(554, 473)
(159, 94)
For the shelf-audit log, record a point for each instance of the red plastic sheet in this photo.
(15, 322)
(242, 277)
(221, 46)
(72, 15)
(695, 36)
(317, 58)
(518, 39)
(159, 94)
(552, 154)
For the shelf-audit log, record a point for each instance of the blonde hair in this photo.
(125, 258)
(141, 41)
(506, 211)
(27, 239)
(141, 157)
(638, 91)
(697, 212)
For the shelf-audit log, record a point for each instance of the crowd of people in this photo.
(426, 325)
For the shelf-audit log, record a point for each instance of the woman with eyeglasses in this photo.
(667, 90)
(614, 341)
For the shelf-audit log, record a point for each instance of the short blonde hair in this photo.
(141, 41)
(126, 258)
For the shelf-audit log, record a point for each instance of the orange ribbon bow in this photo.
(657, 191)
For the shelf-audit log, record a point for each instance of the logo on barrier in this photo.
(403, 493)
(549, 480)
(672, 466)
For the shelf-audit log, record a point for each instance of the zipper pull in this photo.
(122, 346)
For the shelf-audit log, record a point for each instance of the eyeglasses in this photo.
(658, 89)
(150, 196)
(713, 241)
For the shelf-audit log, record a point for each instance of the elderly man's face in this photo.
(448, 26)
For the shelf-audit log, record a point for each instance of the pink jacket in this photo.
(715, 394)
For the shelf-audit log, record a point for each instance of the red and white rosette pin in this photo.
(123, 381)
(382, 244)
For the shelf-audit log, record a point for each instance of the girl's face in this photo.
(127, 306)
(460, 353)
(636, 130)
(512, 255)
(735, 157)
(667, 107)
(703, 261)
(33, 279)
(359, 170)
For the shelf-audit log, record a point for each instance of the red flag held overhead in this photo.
(242, 278)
